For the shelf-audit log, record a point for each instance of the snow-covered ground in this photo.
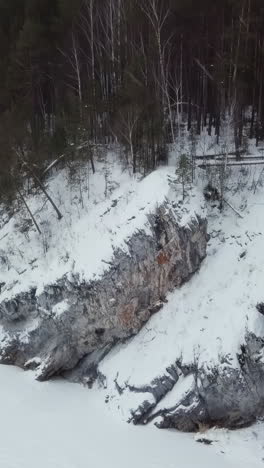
(62, 425)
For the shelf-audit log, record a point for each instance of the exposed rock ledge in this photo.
(192, 397)
(53, 331)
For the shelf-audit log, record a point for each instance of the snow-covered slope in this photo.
(100, 212)
(198, 360)
(209, 315)
(61, 425)
(199, 335)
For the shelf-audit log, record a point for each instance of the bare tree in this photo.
(29, 210)
(39, 183)
(157, 14)
(128, 120)
(74, 82)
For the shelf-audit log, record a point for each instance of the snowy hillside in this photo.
(200, 356)
(131, 234)
(206, 322)
(100, 213)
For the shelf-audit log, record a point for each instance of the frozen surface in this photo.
(61, 425)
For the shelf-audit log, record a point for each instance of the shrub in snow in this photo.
(260, 308)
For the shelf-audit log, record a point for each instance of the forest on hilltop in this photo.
(128, 71)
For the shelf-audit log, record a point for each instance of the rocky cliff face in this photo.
(71, 319)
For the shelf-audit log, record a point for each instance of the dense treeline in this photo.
(132, 71)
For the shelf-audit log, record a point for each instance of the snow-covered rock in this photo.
(200, 361)
(159, 242)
